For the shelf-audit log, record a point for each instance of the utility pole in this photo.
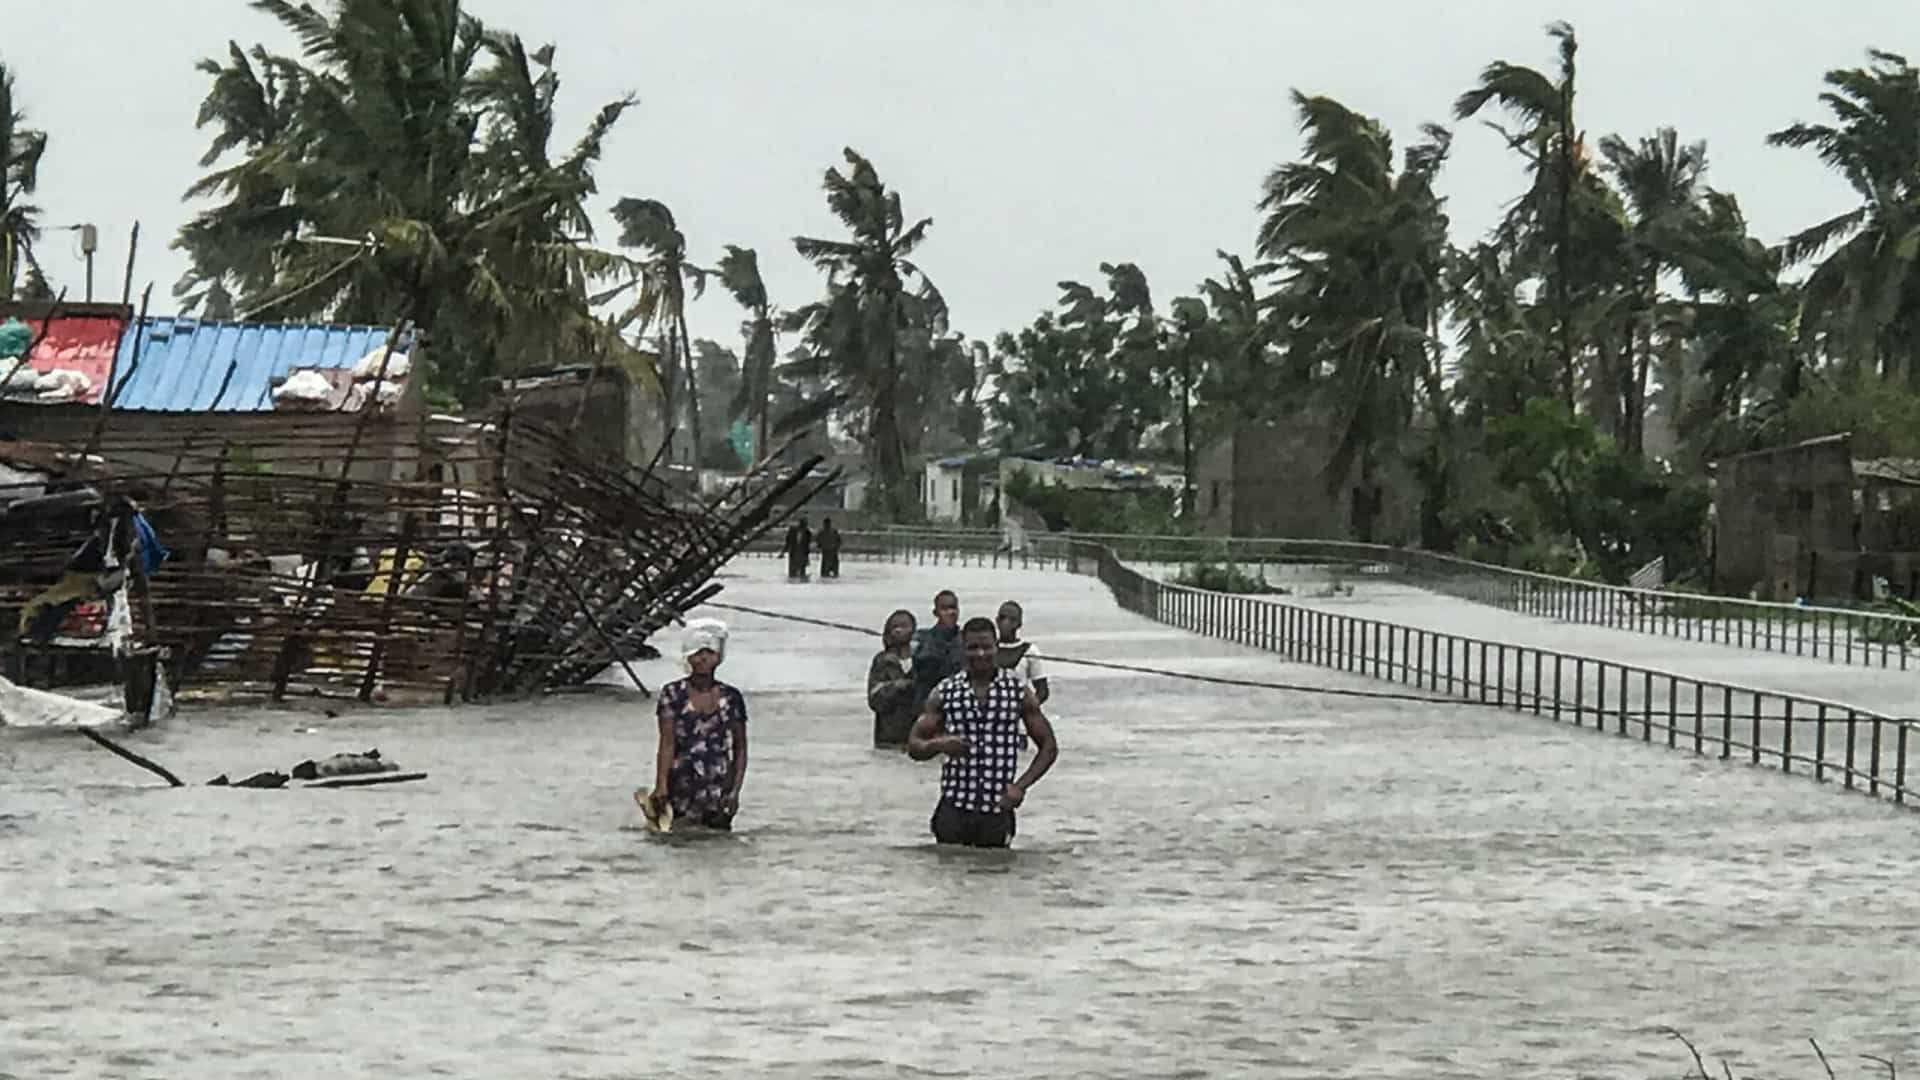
(89, 243)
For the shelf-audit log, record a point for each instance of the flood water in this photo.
(1213, 881)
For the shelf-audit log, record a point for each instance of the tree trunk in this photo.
(669, 371)
(685, 349)
(889, 455)
(1563, 284)
(1186, 436)
(1366, 499)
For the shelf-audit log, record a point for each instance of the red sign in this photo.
(82, 343)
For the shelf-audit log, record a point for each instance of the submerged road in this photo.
(1213, 881)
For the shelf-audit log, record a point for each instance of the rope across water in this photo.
(1222, 680)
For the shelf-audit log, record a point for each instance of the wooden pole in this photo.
(162, 773)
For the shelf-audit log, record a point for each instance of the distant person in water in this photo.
(890, 682)
(1017, 656)
(829, 549)
(937, 650)
(701, 760)
(798, 548)
(980, 719)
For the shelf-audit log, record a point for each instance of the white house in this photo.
(943, 489)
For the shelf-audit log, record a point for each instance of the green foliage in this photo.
(1577, 487)
(1225, 577)
(1087, 380)
(1883, 413)
(400, 168)
(21, 149)
(1142, 512)
(872, 337)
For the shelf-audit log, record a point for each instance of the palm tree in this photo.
(1550, 142)
(870, 337)
(1361, 249)
(1244, 382)
(413, 130)
(1862, 301)
(739, 271)
(1660, 182)
(21, 148)
(648, 225)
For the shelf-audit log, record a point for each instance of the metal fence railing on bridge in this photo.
(1837, 635)
(1861, 750)
(1832, 741)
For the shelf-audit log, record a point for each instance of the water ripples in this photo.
(1210, 883)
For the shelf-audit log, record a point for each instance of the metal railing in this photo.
(1863, 751)
(1837, 635)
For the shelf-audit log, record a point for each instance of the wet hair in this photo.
(979, 625)
(911, 621)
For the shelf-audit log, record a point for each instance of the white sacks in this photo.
(368, 366)
(303, 390)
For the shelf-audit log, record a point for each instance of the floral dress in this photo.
(702, 769)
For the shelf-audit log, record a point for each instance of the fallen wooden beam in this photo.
(162, 773)
(366, 779)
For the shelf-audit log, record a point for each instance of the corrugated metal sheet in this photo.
(183, 362)
(82, 343)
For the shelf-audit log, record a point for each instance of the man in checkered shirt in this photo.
(978, 718)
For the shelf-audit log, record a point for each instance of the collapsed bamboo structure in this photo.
(375, 554)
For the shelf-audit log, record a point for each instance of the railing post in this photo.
(1726, 723)
(1699, 717)
(1900, 766)
(1820, 744)
(1786, 736)
(1500, 677)
(1673, 712)
(1873, 765)
(1579, 690)
(1536, 681)
(1853, 724)
(1646, 706)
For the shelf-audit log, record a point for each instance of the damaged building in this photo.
(256, 510)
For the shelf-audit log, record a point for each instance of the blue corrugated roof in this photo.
(184, 361)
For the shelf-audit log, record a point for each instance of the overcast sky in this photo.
(1042, 136)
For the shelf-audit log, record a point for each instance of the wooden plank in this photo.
(366, 780)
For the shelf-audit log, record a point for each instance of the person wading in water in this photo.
(937, 650)
(701, 761)
(1017, 656)
(829, 549)
(798, 548)
(979, 719)
(890, 682)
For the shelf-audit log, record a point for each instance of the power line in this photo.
(1140, 669)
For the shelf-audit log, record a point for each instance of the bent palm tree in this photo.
(1361, 249)
(647, 224)
(739, 271)
(1863, 300)
(870, 337)
(416, 132)
(1550, 142)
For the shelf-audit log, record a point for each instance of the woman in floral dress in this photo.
(702, 756)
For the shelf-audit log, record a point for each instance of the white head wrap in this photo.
(704, 634)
